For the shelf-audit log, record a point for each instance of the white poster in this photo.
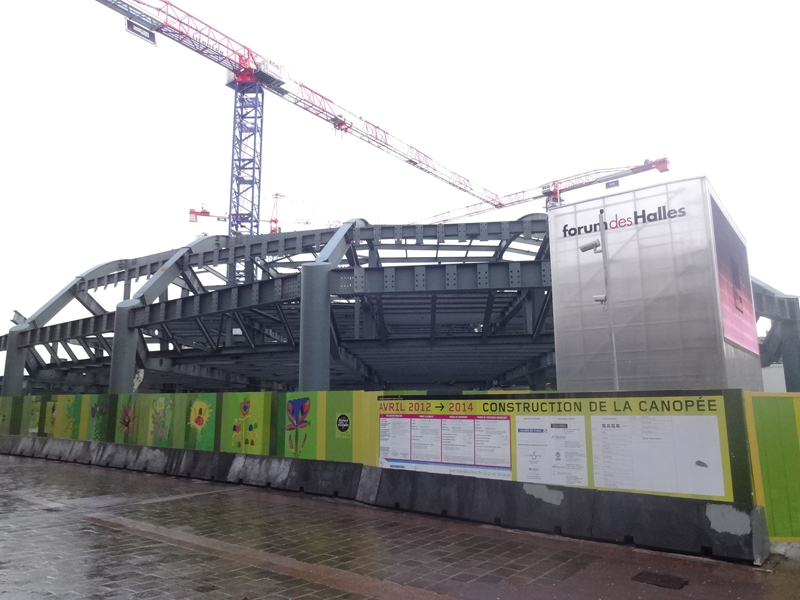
(668, 454)
(493, 441)
(395, 437)
(458, 441)
(552, 450)
(426, 439)
(479, 446)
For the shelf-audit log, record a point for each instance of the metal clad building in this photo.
(679, 289)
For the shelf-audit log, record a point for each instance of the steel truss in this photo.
(437, 306)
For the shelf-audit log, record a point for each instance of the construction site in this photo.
(450, 302)
(593, 367)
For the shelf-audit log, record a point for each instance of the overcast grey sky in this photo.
(108, 141)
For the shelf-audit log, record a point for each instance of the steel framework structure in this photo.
(451, 306)
(442, 307)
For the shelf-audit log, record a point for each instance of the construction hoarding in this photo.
(665, 445)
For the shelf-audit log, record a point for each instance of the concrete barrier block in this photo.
(732, 534)
(324, 477)
(761, 544)
(119, 456)
(432, 493)
(84, 452)
(174, 461)
(152, 460)
(652, 521)
(368, 484)
(24, 446)
(7, 443)
(38, 446)
(188, 466)
(56, 449)
(235, 472)
(533, 506)
(271, 471)
(201, 464)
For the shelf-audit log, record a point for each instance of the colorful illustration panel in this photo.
(299, 427)
(95, 417)
(200, 420)
(158, 411)
(128, 420)
(145, 419)
(67, 417)
(246, 422)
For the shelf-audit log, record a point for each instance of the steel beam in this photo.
(772, 306)
(487, 315)
(192, 281)
(55, 359)
(339, 244)
(510, 313)
(90, 304)
(89, 352)
(483, 276)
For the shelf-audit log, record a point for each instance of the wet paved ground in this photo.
(74, 531)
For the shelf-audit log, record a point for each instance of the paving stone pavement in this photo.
(75, 531)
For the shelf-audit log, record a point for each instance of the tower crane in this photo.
(251, 74)
(552, 190)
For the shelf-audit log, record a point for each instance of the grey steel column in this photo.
(123, 352)
(790, 351)
(315, 327)
(14, 376)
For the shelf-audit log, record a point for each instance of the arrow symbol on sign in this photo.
(440, 406)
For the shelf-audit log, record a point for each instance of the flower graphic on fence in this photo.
(159, 418)
(98, 409)
(296, 411)
(198, 419)
(126, 420)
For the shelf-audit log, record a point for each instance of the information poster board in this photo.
(674, 446)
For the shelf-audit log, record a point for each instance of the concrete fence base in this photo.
(660, 522)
